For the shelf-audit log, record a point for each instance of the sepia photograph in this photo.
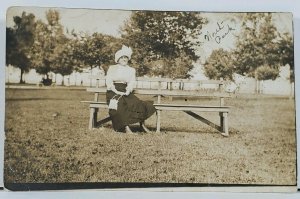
(144, 98)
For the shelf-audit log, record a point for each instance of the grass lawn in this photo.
(47, 140)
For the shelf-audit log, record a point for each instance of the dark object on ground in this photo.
(47, 82)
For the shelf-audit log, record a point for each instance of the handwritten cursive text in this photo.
(220, 33)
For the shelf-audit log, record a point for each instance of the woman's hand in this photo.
(120, 93)
(127, 92)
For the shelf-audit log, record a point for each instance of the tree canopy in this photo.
(219, 65)
(163, 42)
(19, 39)
(286, 49)
(49, 40)
(95, 50)
(257, 52)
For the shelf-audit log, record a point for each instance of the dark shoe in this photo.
(122, 130)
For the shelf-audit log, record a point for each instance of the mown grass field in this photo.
(48, 141)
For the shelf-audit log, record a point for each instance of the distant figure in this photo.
(46, 82)
(124, 107)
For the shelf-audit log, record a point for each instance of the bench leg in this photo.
(158, 112)
(224, 125)
(93, 117)
(221, 121)
(91, 121)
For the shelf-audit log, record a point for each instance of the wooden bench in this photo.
(165, 87)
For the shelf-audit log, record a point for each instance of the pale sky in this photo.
(81, 20)
(220, 32)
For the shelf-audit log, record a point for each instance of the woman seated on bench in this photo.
(120, 81)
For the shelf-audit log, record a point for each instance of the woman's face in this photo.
(123, 60)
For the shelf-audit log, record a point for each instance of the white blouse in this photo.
(119, 73)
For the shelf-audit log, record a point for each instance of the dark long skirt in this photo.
(130, 108)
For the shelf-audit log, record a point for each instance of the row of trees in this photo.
(260, 51)
(46, 48)
(164, 44)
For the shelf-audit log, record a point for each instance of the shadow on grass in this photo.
(138, 129)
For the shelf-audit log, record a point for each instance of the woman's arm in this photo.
(131, 83)
(109, 79)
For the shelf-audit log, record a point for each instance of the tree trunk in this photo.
(91, 75)
(63, 81)
(292, 93)
(21, 78)
(256, 86)
(54, 79)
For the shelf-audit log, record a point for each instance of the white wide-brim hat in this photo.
(124, 51)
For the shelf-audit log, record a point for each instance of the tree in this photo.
(257, 47)
(49, 41)
(265, 72)
(286, 49)
(64, 64)
(162, 40)
(96, 50)
(219, 65)
(19, 39)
